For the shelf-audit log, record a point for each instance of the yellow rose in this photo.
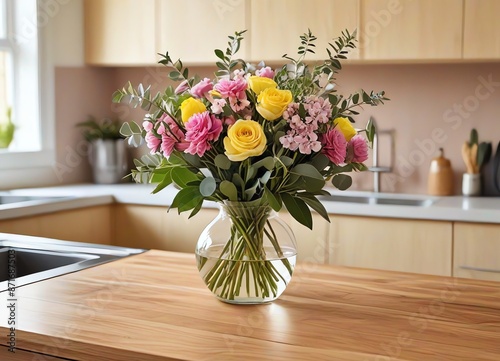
(345, 126)
(260, 83)
(245, 138)
(271, 102)
(191, 106)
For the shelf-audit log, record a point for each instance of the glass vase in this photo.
(247, 254)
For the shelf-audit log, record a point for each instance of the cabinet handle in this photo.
(480, 269)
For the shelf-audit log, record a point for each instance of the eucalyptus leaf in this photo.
(342, 181)
(208, 186)
(267, 162)
(229, 190)
(222, 162)
(320, 162)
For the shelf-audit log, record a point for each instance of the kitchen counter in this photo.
(154, 306)
(455, 208)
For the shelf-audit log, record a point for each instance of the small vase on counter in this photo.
(440, 182)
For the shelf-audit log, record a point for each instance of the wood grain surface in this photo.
(154, 306)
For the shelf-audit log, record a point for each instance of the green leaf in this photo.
(312, 177)
(320, 162)
(222, 162)
(287, 161)
(302, 111)
(187, 198)
(182, 176)
(370, 130)
(315, 204)
(208, 186)
(267, 162)
(196, 209)
(342, 181)
(473, 137)
(219, 53)
(298, 209)
(166, 181)
(274, 201)
(355, 98)
(229, 190)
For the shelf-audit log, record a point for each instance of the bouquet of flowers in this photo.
(252, 135)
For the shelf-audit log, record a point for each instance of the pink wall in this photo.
(432, 106)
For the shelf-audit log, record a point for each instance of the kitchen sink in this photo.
(373, 199)
(37, 259)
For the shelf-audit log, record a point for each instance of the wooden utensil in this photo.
(473, 158)
(466, 156)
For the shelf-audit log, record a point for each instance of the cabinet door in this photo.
(192, 29)
(411, 30)
(89, 225)
(312, 245)
(154, 228)
(477, 251)
(481, 29)
(391, 244)
(120, 32)
(277, 24)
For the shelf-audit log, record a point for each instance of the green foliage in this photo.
(104, 129)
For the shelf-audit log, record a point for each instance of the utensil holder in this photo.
(471, 184)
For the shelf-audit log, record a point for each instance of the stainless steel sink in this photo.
(37, 258)
(371, 199)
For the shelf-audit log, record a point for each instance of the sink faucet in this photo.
(375, 168)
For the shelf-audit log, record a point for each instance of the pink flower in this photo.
(218, 105)
(202, 128)
(266, 72)
(232, 88)
(172, 137)
(202, 88)
(182, 87)
(357, 150)
(334, 146)
(238, 104)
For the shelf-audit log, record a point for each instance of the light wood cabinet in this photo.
(411, 30)
(120, 32)
(391, 244)
(276, 25)
(192, 29)
(481, 29)
(90, 225)
(477, 251)
(153, 227)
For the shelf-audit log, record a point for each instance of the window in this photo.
(20, 82)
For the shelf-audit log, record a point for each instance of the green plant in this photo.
(7, 130)
(104, 129)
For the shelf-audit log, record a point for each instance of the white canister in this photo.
(471, 184)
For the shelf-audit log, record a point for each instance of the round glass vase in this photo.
(247, 254)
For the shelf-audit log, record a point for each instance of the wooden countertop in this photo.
(154, 306)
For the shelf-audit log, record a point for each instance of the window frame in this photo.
(31, 63)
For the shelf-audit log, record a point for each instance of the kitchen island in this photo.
(154, 306)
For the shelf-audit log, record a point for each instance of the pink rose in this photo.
(334, 146)
(232, 88)
(265, 72)
(357, 150)
(201, 89)
(202, 129)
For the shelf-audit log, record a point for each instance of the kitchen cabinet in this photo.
(481, 29)
(391, 244)
(191, 30)
(120, 32)
(477, 251)
(153, 227)
(276, 25)
(411, 30)
(90, 225)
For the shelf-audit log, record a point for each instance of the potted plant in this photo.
(107, 152)
(7, 130)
